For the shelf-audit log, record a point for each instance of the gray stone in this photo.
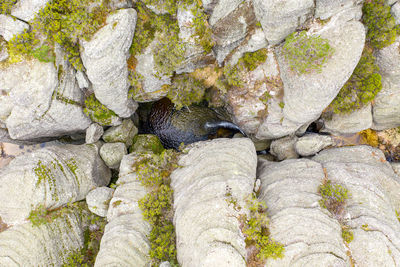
(49, 177)
(206, 225)
(82, 80)
(284, 148)
(125, 235)
(353, 122)
(3, 52)
(307, 95)
(311, 144)
(122, 133)
(26, 10)
(104, 58)
(280, 18)
(386, 107)
(112, 154)
(93, 133)
(98, 200)
(324, 9)
(118, 4)
(49, 244)
(165, 264)
(396, 12)
(36, 103)
(10, 26)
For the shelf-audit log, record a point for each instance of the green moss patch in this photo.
(97, 112)
(6, 5)
(146, 143)
(382, 29)
(185, 90)
(306, 53)
(153, 171)
(362, 87)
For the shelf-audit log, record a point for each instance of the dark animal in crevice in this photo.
(187, 125)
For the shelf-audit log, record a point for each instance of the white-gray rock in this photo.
(122, 133)
(125, 236)
(49, 244)
(52, 177)
(354, 122)
(284, 148)
(3, 51)
(93, 133)
(10, 26)
(386, 107)
(207, 227)
(104, 58)
(112, 154)
(396, 12)
(36, 103)
(26, 10)
(98, 200)
(307, 95)
(82, 80)
(311, 144)
(324, 9)
(280, 18)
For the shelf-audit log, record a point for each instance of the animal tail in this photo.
(213, 126)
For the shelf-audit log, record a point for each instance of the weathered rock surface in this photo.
(10, 27)
(49, 244)
(311, 144)
(51, 177)
(284, 148)
(311, 234)
(207, 230)
(93, 133)
(307, 95)
(98, 200)
(122, 133)
(386, 107)
(324, 9)
(104, 58)
(35, 103)
(112, 154)
(354, 122)
(396, 12)
(278, 19)
(27, 9)
(124, 240)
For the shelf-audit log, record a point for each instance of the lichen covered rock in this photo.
(50, 177)
(208, 233)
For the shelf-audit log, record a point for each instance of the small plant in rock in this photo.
(334, 197)
(252, 60)
(362, 87)
(185, 90)
(97, 112)
(44, 54)
(381, 25)
(306, 53)
(347, 234)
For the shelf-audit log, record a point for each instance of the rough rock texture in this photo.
(27, 9)
(324, 9)
(104, 58)
(10, 27)
(34, 103)
(112, 154)
(230, 21)
(280, 18)
(311, 144)
(386, 108)
(207, 228)
(124, 240)
(93, 133)
(98, 200)
(307, 95)
(284, 148)
(311, 235)
(82, 80)
(122, 133)
(51, 177)
(396, 12)
(354, 122)
(49, 244)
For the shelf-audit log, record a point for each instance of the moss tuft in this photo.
(185, 90)
(97, 112)
(334, 197)
(44, 54)
(6, 5)
(146, 143)
(362, 87)
(203, 33)
(381, 25)
(347, 234)
(306, 53)
(252, 60)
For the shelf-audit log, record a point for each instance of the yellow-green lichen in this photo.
(203, 33)
(185, 91)
(347, 234)
(6, 5)
(252, 60)
(333, 197)
(153, 171)
(45, 175)
(97, 112)
(306, 53)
